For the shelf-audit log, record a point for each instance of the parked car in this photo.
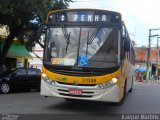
(20, 79)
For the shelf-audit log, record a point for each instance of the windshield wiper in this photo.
(94, 34)
(87, 44)
(91, 38)
(68, 42)
(65, 32)
(66, 36)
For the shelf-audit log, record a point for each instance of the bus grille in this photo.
(84, 93)
(91, 85)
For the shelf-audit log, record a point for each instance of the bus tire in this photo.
(124, 95)
(130, 90)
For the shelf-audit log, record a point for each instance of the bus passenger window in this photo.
(127, 55)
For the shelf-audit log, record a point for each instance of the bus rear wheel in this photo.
(130, 90)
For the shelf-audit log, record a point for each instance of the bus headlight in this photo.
(108, 84)
(43, 75)
(114, 80)
(47, 80)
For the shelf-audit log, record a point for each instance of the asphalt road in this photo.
(144, 99)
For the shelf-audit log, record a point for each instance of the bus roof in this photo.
(51, 12)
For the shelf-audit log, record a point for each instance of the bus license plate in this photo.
(75, 92)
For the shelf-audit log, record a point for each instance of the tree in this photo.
(17, 16)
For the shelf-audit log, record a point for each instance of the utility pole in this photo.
(148, 54)
(148, 51)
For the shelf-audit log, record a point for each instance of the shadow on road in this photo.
(84, 107)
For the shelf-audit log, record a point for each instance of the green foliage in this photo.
(25, 9)
(17, 16)
(19, 13)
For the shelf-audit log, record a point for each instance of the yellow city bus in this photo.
(88, 55)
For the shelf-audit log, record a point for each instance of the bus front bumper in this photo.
(92, 93)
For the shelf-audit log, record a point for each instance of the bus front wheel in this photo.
(124, 96)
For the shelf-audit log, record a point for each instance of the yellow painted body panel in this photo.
(79, 79)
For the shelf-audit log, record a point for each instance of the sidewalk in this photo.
(150, 81)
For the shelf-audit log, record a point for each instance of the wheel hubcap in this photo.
(5, 88)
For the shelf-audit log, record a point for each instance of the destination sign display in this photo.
(84, 16)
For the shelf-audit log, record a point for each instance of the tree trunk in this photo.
(1, 66)
(5, 48)
(14, 31)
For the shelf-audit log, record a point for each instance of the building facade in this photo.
(37, 57)
(141, 56)
(141, 60)
(17, 55)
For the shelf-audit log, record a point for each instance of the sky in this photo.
(138, 15)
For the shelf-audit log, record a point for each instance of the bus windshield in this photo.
(83, 46)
